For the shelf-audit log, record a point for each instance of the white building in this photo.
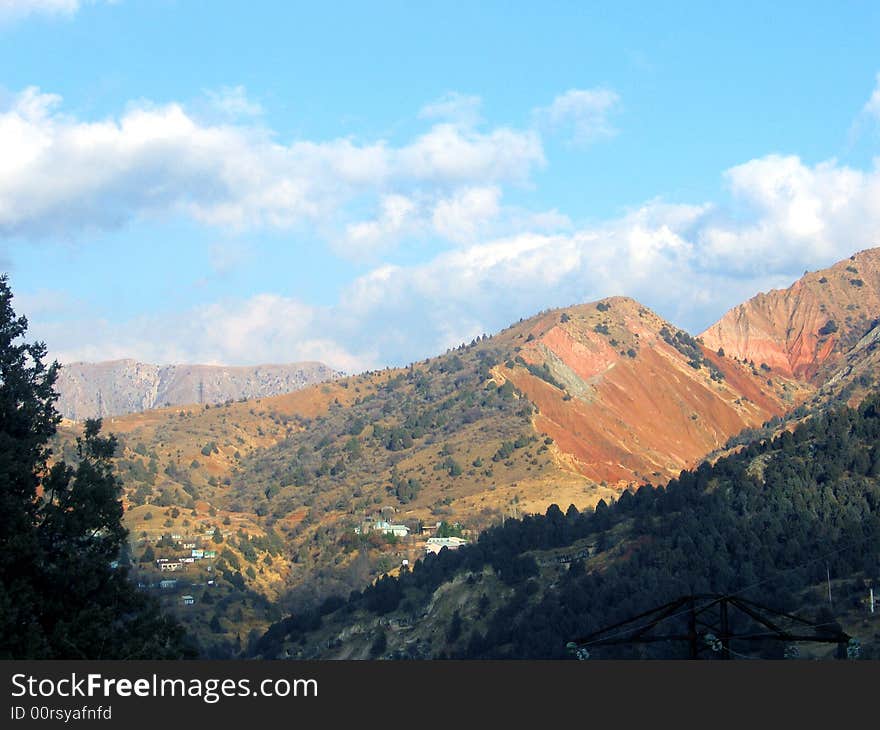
(389, 529)
(436, 544)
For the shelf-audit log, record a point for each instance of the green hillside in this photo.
(770, 523)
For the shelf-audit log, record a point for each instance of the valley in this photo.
(570, 407)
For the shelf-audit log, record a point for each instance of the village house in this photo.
(387, 528)
(187, 600)
(170, 566)
(436, 544)
(167, 583)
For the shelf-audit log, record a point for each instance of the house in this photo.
(167, 583)
(198, 553)
(210, 532)
(175, 536)
(188, 545)
(187, 600)
(436, 544)
(210, 554)
(388, 529)
(170, 566)
(187, 559)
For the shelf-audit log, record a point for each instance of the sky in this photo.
(369, 184)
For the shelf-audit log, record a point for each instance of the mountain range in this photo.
(572, 406)
(117, 387)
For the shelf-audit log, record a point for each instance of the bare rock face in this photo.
(806, 330)
(627, 396)
(89, 390)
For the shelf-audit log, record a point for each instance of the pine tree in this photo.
(62, 594)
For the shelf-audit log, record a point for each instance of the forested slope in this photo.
(770, 523)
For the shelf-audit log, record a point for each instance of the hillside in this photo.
(92, 390)
(782, 522)
(806, 330)
(571, 406)
(628, 396)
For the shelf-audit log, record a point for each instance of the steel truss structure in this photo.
(711, 620)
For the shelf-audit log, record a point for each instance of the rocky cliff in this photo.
(806, 330)
(87, 390)
(629, 397)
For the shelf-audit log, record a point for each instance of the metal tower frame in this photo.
(709, 627)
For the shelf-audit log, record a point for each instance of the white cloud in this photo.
(872, 106)
(454, 107)
(61, 174)
(793, 216)
(265, 328)
(396, 217)
(585, 112)
(465, 215)
(16, 9)
(450, 154)
(688, 262)
(233, 102)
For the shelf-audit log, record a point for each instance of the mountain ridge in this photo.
(572, 406)
(117, 387)
(803, 331)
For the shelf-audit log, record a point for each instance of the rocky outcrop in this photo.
(88, 390)
(804, 331)
(628, 397)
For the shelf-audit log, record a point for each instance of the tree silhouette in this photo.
(62, 593)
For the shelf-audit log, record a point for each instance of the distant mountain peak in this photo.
(117, 387)
(805, 330)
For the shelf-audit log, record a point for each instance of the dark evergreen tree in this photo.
(62, 592)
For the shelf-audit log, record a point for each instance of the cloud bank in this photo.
(494, 264)
(62, 175)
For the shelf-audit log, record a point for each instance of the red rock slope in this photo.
(805, 331)
(628, 397)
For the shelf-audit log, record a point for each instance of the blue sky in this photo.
(371, 183)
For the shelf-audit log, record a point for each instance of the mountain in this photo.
(571, 406)
(784, 523)
(89, 390)
(806, 330)
(627, 396)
